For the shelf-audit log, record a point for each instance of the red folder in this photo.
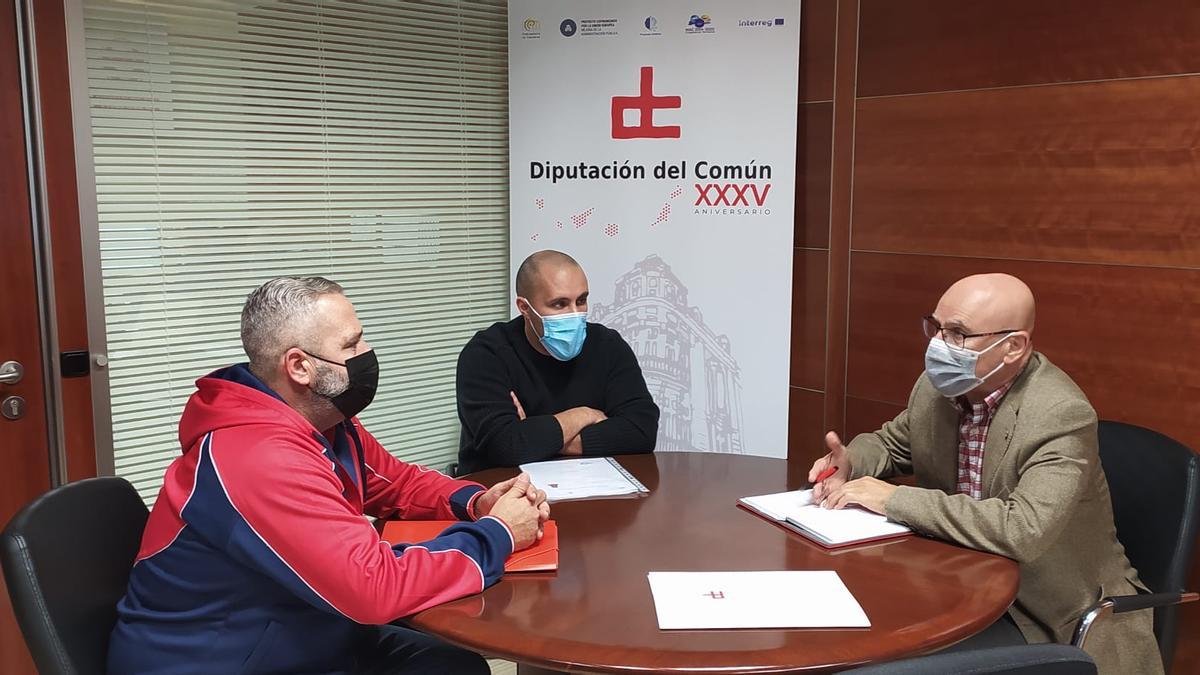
(541, 557)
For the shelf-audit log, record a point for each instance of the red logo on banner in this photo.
(730, 194)
(645, 103)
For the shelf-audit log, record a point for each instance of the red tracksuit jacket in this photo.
(257, 557)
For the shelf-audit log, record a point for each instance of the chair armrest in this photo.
(1130, 603)
(1125, 603)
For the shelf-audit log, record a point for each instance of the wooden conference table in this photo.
(596, 614)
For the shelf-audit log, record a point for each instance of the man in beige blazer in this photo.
(1003, 447)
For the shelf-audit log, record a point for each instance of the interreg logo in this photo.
(568, 27)
(645, 103)
(699, 23)
(759, 23)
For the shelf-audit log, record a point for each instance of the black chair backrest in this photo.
(1155, 486)
(67, 557)
(1042, 659)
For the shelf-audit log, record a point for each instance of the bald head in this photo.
(541, 266)
(549, 283)
(993, 315)
(983, 303)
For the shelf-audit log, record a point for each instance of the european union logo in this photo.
(778, 22)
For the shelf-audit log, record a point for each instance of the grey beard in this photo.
(328, 384)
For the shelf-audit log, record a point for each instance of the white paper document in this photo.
(586, 478)
(826, 526)
(806, 599)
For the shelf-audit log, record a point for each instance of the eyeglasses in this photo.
(954, 337)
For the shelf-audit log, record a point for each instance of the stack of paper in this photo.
(828, 527)
(754, 600)
(582, 478)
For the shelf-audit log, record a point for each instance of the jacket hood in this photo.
(235, 397)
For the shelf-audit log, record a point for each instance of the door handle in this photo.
(11, 372)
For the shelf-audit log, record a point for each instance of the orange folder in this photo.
(541, 557)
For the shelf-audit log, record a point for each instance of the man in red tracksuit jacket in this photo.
(257, 557)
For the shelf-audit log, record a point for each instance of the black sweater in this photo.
(604, 376)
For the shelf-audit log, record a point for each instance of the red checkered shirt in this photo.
(973, 422)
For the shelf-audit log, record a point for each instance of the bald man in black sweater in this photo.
(547, 383)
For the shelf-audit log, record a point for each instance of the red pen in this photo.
(825, 474)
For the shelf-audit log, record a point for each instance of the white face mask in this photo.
(952, 371)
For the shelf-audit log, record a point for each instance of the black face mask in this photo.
(363, 374)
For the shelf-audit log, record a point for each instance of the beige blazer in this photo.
(1045, 504)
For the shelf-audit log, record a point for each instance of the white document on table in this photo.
(586, 478)
(790, 599)
(832, 527)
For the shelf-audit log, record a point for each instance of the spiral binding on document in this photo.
(628, 476)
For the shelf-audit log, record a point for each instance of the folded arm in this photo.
(632, 424)
(486, 408)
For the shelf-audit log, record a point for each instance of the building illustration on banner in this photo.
(690, 370)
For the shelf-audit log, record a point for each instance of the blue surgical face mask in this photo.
(563, 334)
(952, 371)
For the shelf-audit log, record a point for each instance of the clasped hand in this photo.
(521, 506)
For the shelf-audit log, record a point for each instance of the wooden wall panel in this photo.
(841, 188)
(864, 415)
(888, 296)
(1126, 335)
(66, 247)
(940, 45)
(818, 24)
(806, 427)
(1101, 172)
(943, 160)
(814, 146)
(24, 449)
(808, 319)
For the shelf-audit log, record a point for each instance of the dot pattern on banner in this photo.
(558, 224)
(580, 219)
(535, 236)
(612, 229)
(664, 214)
(541, 203)
(676, 192)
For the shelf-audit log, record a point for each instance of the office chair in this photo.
(67, 557)
(1157, 527)
(1046, 659)
(1155, 486)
